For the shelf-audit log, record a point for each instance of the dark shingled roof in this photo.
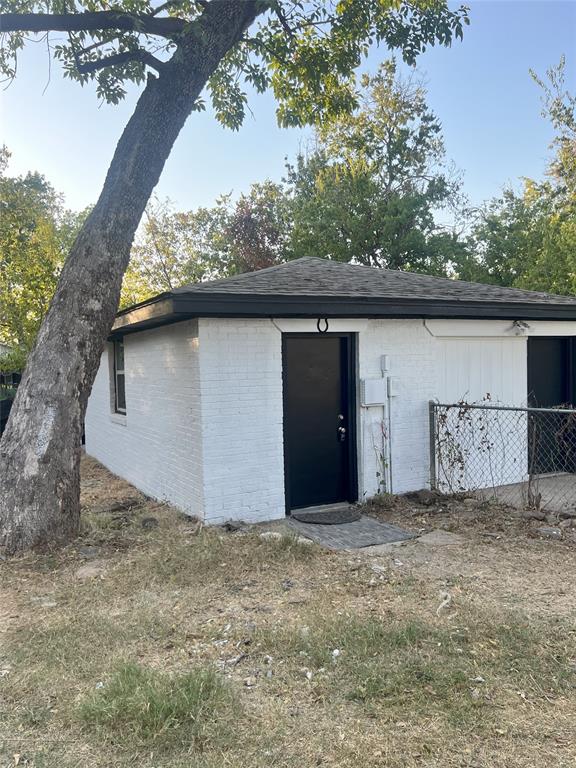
(318, 288)
(312, 276)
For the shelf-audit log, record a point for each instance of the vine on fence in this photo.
(462, 434)
(486, 446)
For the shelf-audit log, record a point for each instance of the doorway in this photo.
(551, 379)
(319, 419)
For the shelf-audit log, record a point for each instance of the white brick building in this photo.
(231, 400)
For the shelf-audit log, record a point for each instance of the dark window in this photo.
(119, 379)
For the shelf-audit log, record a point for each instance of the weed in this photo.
(142, 706)
(288, 547)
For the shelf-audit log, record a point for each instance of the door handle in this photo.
(341, 434)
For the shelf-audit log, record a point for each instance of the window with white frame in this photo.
(119, 378)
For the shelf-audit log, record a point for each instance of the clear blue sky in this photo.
(481, 90)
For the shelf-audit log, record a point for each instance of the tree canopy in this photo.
(174, 247)
(36, 232)
(171, 249)
(371, 188)
(304, 50)
(528, 239)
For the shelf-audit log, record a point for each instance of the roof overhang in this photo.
(173, 308)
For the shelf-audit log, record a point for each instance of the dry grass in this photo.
(166, 645)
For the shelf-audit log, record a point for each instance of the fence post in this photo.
(432, 421)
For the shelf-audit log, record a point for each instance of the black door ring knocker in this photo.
(320, 320)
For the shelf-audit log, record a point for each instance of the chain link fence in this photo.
(525, 457)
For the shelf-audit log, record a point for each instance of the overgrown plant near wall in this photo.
(382, 460)
(380, 437)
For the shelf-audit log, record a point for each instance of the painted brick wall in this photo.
(492, 371)
(241, 365)
(472, 369)
(410, 351)
(204, 408)
(158, 448)
(429, 368)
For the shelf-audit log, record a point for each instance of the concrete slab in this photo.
(557, 492)
(361, 533)
(437, 538)
(387, 549)
(440, 538)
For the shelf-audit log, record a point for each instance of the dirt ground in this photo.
(453, 653)
(497, 549)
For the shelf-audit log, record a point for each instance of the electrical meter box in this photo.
(373, 392)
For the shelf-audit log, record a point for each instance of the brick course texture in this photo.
(203, 428)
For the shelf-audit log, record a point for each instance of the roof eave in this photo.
(178, 307)
(146, 315)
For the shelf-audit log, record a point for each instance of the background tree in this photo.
(306, 52)
(373, 185)
(370, 190)
(528, 239)
(258, 230)
(172, 248)
(36, 232)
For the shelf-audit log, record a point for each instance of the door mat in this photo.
(365, 532)
(328, 517)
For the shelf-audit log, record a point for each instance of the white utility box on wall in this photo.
(373, 392)
(393, 386)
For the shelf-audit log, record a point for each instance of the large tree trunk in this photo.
(40, 449)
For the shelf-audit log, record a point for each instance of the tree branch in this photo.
(283, 20)
(165, 6)
(261, 44)
(91, 22)
(145, 57)
(93, 47)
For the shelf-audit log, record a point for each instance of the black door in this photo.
(551, 437)
(319, 439)
(548, 372)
